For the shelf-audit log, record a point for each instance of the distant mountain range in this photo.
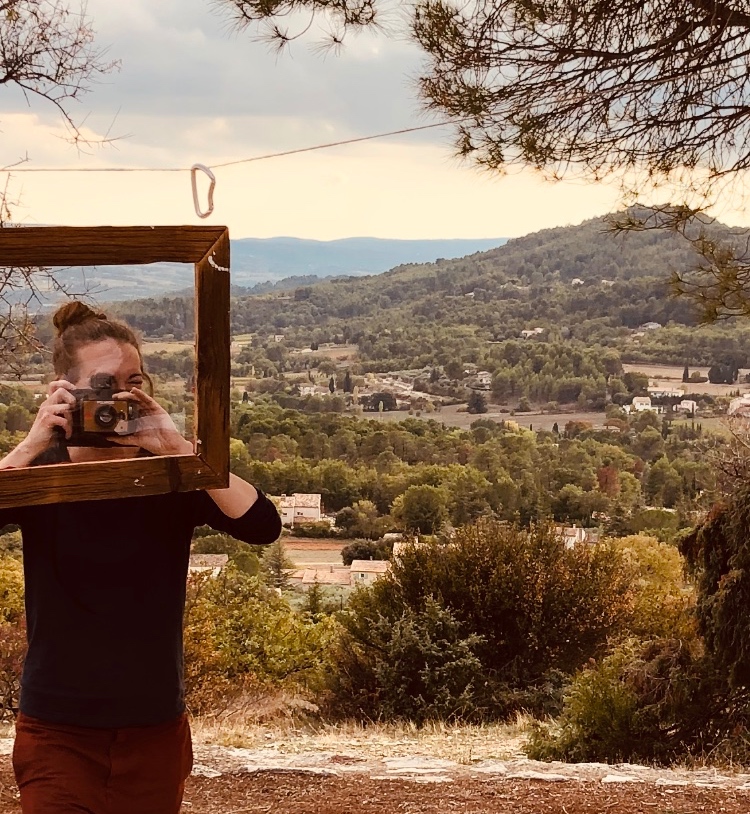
(256, 261)
(566, 276)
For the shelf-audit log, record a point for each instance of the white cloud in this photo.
(192, 90)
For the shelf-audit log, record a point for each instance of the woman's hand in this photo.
(55, 411)
(156, 431)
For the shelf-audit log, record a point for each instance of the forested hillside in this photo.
(579, 282)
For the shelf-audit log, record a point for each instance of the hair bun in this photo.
(73, 313)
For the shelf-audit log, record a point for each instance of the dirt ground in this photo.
(302, 793)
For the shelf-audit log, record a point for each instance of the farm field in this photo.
(336, 352)
(455, 415)
(155, 346)
(671, 375)
(303, 552)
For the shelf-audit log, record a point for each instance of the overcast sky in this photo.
(192, 90)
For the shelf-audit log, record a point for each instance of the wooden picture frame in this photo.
(208, 248)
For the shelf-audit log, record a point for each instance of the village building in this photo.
(331, 575)
(299, 508)
(641, 403)
(529, 332)
(481, 380)
(687, 406)
(740, 406)
(201, 563)
(365, 572)
(577, 535)
(360, 572)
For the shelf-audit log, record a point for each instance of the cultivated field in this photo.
(155, 346)
(671, 376)
(455, 415)
(303, 552)
(338, 353)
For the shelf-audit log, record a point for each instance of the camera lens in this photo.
(105, 416)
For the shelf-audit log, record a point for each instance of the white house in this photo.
(641, 403)
(365, 572)
(576, 281)
(575, 535)
(528, 333)
(740, 406)
(650, 326)
(299, 508)
(687, 406)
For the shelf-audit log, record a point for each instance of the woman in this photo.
(102, 726)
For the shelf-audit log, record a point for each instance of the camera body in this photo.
(97, 414)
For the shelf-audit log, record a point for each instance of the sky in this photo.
(191, 89)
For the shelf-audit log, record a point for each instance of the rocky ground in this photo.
(231, 780)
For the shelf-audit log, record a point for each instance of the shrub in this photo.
(718, 555)
(12, 632)
(12, 655)
(597, 721)
(657, 701)
(241, 554)
(419, 667)
(664, 604)
(11, 589)
(315, 530)
(530, 608)
(366, 550)
(241, 637)
(539, 605)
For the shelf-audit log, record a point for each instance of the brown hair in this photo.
(77, 325)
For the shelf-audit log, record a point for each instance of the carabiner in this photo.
(194, 182)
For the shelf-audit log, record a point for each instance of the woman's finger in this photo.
(60, 421)
(142, 399)
(61, 396)
(56, 409)
(59, 384)
(135, 395)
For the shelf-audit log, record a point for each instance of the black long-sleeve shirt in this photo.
(105, 595)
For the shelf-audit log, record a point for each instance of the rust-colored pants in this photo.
(79, 770)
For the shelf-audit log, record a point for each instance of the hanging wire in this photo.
(265, 157)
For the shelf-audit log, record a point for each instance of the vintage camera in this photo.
(98, 414)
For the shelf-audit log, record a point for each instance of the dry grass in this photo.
(463, 743)
(156, 346)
